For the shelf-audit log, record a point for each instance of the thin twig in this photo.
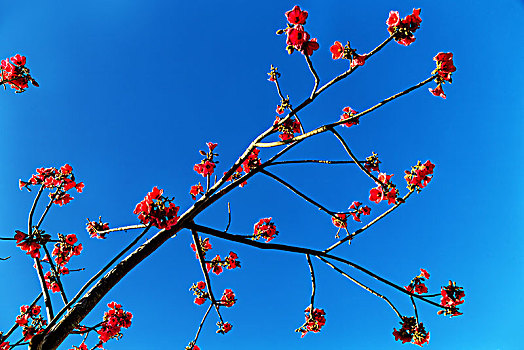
(124, 228)
(315, 75)
(297, 192)
(362, 229)
(352, 156)
(202, 324)
(57, 274)
(32, 211)
(362, 285)
(43, 286)
(228, 216)
(326, 127)
(414, 308)
(317, 161)
(313, 284)
(200, 253)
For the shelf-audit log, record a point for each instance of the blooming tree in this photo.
(45, 324)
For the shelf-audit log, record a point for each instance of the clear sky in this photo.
(131, 90)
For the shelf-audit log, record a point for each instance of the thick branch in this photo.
(301, 250)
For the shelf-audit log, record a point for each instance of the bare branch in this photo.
(298, 193)
(362, 285)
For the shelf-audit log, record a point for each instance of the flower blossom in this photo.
(157, 210)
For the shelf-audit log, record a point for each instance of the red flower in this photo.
(309, 47)
(201, 285)
(287, 128)
(157, 210)
(211, 146)
(18, 60)
(402, 30)
(419, 176)
(228, 298)
(94, 228)
(206, 168)
(348, 114)
(114, 320)
(264, 228)
(71, 239)
(216, 265)
(252, 161)
(337, 50)
(226, 327)
(424, 273)
(315, 320)
(296, 16)
(296, 36)
(451, 298)
(393, 19)
(411, 331)
(204, 245)
(438, 91)
(358, 60)
(339, 220)
(196, 190)
(231, 261)
(200, 301)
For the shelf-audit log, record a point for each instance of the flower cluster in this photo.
(30, 319)
(206, 167)
(94, 228)
(346, 52)
(340, 220)
(358, 209)
(288, 128)
(114, 320)
(417, 284)
(348, 114)
(252, 161)
(16, 74)
(31, 244)
(411, 331)
(372, 163)
(204, 245)
(451, 297)
(384, 191)
(444, 69)
(297, 38)
(198, 291)
(266, 229)
(419, 176)
(65, 248)
(223, 328)
(216, 264)
(157, 210)
(402, 29)
(237, 175)
(196, 190)
(62, 180)
(82, 346)
(315, 320)
(228, 298)
(5, 345)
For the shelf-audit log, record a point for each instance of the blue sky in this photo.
(131, 90)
